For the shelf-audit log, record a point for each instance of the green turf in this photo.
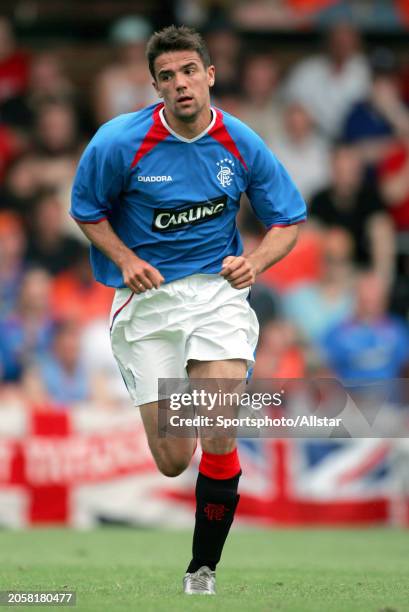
(289, 570)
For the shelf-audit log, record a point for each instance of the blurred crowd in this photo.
(338, 120)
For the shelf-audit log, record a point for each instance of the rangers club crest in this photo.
(215, 512)
(225, 174)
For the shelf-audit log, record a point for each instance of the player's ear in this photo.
(211, 75)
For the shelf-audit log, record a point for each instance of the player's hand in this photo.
(239, 271)
(140, 276)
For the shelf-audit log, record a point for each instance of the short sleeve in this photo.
(272, 193)
(99, 179)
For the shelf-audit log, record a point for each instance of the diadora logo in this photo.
(225, 174)
(155, 179)
(172, 219)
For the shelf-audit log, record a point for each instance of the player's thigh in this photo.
(226, 368)
(143, 361)
(224, 376)
(224, 334)
(172, 454)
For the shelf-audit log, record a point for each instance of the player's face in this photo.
(183, 82)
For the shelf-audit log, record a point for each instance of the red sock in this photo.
(220, 467)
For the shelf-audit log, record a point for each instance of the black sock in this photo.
(216, 502)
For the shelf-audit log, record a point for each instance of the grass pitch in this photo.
(289, 571)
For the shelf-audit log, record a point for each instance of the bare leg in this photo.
(219, 472)
(171, 455)
(228, 369)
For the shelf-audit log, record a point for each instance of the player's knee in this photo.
(172, 469)
(171, 461)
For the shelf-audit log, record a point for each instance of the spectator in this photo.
(59, 378)
(48, 245)
(375, 15)
(231, 102)
(400, 291)
(10, 147)
(355, 206)
(48, 80)
(47, 83)
(12, 246)
(75, 295)
(374, 121)
(56, 130)
(302, 265)
(20, 185)
(251, 229)
(126, 85)
(266, 303)
(371, 344)
(262, 109)
(224, 46)
(278, 354)
(26, 333)
(315, 307)
(57, 146)
(303, 151)
(262, 14)
(192, 13)
(404, 80)
(100, 364)
(393, 174)
(14, 64)
(330, 83)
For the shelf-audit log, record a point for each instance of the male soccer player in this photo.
(157, 193)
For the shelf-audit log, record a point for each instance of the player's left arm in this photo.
(241, 271)
(278, 204)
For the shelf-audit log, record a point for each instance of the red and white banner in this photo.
(83, 468)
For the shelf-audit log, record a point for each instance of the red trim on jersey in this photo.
(90, 222)
(154, 136)
(119, 310)
(286, 224)
(219, 132)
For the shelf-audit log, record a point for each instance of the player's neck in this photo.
(189, 129)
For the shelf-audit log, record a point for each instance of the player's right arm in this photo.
(99, 182)
(135, 271)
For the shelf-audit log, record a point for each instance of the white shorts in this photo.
(154, 334)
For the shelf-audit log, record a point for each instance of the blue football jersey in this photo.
(174, 201)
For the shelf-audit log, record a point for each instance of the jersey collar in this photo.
(182, 138)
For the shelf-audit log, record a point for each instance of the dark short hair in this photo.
(175, 38)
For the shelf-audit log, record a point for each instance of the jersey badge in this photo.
(225, 173)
